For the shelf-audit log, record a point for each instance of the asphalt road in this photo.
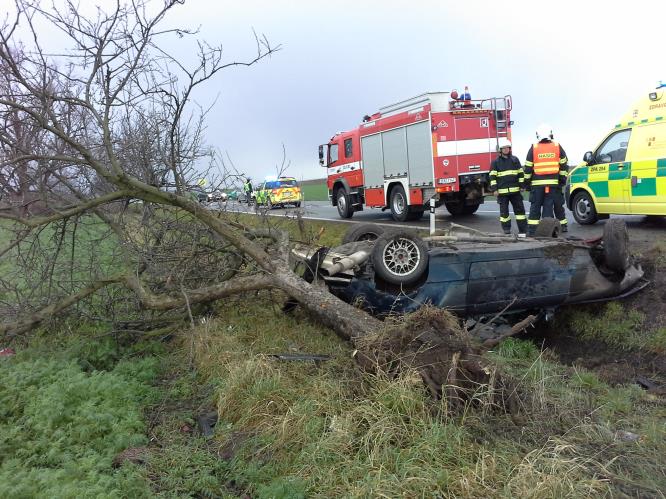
(641, 229)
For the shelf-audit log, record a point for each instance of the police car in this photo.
(279, 191)
(626, 173)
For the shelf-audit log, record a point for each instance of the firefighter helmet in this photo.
(544, 132)
(503, 142)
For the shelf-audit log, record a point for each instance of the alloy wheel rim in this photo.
(401, 256)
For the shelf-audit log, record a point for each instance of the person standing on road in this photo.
(506, 183)
(546, 170)
(247, 188)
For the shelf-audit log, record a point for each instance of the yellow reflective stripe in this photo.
(507, 190)
(547, 171)
(548, 163)
(564, 160)
(564, 222)
(531, 221)
(552, 181)
(505, 219)
(521, 217)
(528, 175)
(529, 163)
(493, 173)
(508, 172)
(564, 173)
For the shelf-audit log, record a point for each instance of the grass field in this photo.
(75, 397)
(314, 190)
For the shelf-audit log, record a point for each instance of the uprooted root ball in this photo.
(451, 365)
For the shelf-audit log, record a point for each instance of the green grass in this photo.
(617, 325)
(315, 191)
(328, 431)
(61, 424)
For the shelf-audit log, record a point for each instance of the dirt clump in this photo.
(447, 358)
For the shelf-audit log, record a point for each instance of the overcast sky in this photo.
(577, 65)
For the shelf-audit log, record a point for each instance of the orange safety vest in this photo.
(546, 158)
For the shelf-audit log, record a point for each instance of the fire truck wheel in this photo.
(616, 245)
(344, 204)
(399, 206)
(362, 232)
(400, 257)
(548, 227)
(455, 209)
(470, 209)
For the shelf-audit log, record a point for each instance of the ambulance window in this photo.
(332, 154)
(614, 149)
(348, 148)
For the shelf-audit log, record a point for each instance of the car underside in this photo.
(474, 274)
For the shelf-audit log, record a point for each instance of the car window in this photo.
(288, 183)
(614, 148)
(348, 148)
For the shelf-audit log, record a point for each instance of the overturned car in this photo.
(472, 273)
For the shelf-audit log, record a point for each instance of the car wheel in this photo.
(344, 204)
(616, 245)
(583, 209)
(548, 227)
(398, 204)
(400, 257)
(362, 232)
(455, 209)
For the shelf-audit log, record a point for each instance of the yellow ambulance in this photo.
(626, 173)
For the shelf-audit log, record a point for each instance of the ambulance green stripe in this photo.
(661, 167)
(579, 175)
(647, 187)
(600, 189)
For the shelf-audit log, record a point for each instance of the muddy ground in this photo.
(613, 364)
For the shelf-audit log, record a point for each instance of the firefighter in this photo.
(507, 182)
(247, 188)
(546, 173)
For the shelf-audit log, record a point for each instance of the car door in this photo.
(609, 174)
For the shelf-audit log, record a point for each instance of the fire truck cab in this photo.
(434, 145)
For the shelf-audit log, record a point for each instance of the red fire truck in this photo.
(435, 145)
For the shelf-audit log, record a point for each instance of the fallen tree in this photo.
(115, 127)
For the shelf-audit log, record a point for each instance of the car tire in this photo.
(398, 204)
(548, 227)
(400, 257)
(583, 209)
(362, 232)
(616, 245)
(343, 203)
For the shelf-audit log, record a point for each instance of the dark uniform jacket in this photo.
(506, 175)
